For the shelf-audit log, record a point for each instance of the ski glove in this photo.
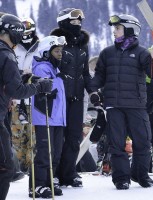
(44, 86)
(30, 78)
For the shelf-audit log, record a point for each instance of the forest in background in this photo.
(97, 13)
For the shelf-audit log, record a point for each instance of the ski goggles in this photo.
(28, 25)
(117, 20)
(74, 14)
(61, 41)
(58, 41)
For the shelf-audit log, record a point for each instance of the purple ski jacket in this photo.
(45, 69)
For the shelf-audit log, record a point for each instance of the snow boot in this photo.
(57, 189)
(145, 183)
(41, 191)
(106, 168)
(76, 182)
(17, 176)
(123, 185)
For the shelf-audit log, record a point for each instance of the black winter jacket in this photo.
(123, 73)
(74, 63)
(11, 85)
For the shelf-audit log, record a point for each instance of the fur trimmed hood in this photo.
(70, 39)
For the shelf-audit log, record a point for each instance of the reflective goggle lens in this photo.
(114, 19)
(27, 25)
(77, 13)
(61, 40)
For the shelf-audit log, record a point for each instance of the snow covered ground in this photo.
(95, 188)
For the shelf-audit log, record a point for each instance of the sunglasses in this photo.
(74, 14)
(28, 25)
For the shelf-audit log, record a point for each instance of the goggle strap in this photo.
(61, 18)
(68, 16)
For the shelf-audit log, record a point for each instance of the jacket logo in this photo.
(132, 55)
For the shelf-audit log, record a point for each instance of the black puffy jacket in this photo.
(74, 63)
(11, 85)
(123, 73)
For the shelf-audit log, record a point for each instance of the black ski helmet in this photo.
(13, 26)
(69, 14)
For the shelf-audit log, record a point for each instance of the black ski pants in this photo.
(6, 161)
(151, 123)
(41, 161)
(135, 123)
(73, 137)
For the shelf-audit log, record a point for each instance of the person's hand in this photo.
(94, 98)
(44, 86)
(30, 78)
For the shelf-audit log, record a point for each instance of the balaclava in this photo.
(74, 29)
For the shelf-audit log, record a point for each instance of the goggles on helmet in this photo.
(28, 25)
(74, 14)
(117, 20)
(59, 41)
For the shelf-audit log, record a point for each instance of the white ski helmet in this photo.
(29, 24)
(48, 43)
(30, 30)
(131, 24)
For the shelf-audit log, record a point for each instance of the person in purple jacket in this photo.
(45, 65)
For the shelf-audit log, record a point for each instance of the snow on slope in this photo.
(95, 188)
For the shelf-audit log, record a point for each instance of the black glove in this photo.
(30, 78)
(25, 77)
(61, 75)
(94, 98)
(44, 86)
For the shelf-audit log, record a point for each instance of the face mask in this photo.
(74, 29)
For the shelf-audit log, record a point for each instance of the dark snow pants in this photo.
(6, 162)
(41, 161)
(135, 123)
(73, 137)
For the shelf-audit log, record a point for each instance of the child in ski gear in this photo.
(11, 87)
(121, 69)
(46, 65)
(75, 73)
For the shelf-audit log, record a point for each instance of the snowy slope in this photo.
(95, 188)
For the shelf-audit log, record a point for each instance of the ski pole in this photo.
(49, 148)
(32, 154)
